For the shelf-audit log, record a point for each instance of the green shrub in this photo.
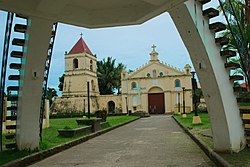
(67, 128)
(101, 114)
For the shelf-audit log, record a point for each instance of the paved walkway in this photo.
(156, 141)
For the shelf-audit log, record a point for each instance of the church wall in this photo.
(167, 84)
(104, 99)
(74, 104)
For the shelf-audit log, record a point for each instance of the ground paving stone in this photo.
(156, 141)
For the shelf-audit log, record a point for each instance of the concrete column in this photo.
(228, 133)
(32, 76)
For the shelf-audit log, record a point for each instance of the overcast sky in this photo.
(130, 45)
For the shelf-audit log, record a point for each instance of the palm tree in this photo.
(238, 32)
(109, 76)
(61, 81)
(51, 93)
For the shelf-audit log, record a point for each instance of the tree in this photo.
(61, 81)
(238, 32)
(51, 93)
(109, 75)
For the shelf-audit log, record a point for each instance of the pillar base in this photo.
(196, 120)
(184, 115)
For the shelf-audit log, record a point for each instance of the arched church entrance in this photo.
(156, 101)
(111, 107)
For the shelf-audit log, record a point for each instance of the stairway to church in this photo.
(229, 65)
(15, 66)
(16, 63)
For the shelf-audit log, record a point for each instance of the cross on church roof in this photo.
(81, 34)
(153, 46)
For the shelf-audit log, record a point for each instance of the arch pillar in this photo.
(228, 133)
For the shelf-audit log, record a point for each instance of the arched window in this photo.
(148, 75)
(161, 74)
(92, 85)
(133, 85)
(75, 63)
(154, 73)
(177, 83)
(91, 65)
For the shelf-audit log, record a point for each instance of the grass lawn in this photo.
(52, 139)
(240, 159)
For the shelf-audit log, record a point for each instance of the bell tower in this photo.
(80, 68)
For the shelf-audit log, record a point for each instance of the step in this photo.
(16, 66)
(232, 65)
(246, 116)
(50, 46)
(10, 136)
(12, 108)
(12, 98)
(204, 1)
(21, 16)
(9, 127)
(53, 33)
(243, 100)
(12, 88)
(20, 28)
(12, 117)
(14, 77)
(217, 26)
(16, 54)
(210, 13)
(247, 131)
(236, 78)
(248, 140)
(239, 89)
(11, 145)
(222, 40)
(227, 53)
(246, 121)
(18, 42)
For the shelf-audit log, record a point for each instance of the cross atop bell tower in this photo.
(153, 54)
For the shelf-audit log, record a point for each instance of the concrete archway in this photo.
(191, 24)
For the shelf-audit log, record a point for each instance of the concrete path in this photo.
(156, 141)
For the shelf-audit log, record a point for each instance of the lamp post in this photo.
(194, 101)
(84, 107)
(88, 100)
(126, 100)
(196, 117)
(184, 113)
(179, 103)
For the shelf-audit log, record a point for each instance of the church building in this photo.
(156, 87)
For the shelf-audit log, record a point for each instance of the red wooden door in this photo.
(156, 103)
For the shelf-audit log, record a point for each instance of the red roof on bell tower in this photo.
(80, 47)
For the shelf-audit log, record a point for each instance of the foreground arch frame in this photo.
(228, 133)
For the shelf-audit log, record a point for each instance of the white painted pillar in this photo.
(228, 133)
(32, 76)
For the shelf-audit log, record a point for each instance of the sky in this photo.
(129, 45)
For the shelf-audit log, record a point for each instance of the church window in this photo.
(92, 85)
(177, 83)
(133, 85)
(148, 75)
(75, 63)
(154, 73)
(161, 74)
(91, 65)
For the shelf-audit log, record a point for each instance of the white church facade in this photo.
(155, 88)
